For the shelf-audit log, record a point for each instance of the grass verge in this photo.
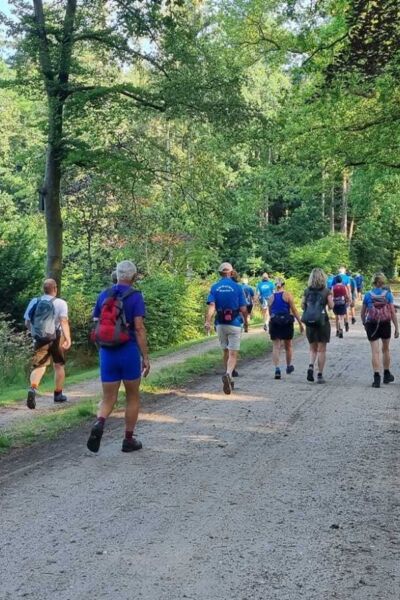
(48, 426)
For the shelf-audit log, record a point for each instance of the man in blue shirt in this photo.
(126, 362)
(346, 280)
(265, 288)
(227, 301)
(360, 285)
(248, 294)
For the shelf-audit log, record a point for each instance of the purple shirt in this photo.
(133, 305)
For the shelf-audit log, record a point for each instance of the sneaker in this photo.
(320, 378)
(227, 384)
(95, 436)
(377, 381)
(346, 326)
(310, 374)
(353, 321)
(277, 373)
(60, 397)
(31, 398)
(235, 373)
(388, 377)
(289, 369)
(131, 445)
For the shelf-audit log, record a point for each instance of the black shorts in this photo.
(44, 353)
(278, 331)
(378, 331)
(340, 310)
(249, 308)
(320, 334)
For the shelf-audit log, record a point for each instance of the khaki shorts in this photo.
(43, 355)
(229, 337)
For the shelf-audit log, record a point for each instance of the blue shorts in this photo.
(120, 363)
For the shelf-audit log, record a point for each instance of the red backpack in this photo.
(111, 328)
(339, 294)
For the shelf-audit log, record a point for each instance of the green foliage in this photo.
(327, 253)
(15, 351)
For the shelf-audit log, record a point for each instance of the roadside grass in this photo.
(48, 426)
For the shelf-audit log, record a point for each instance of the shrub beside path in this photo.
(92, 388)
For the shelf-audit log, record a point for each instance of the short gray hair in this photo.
(126, 270)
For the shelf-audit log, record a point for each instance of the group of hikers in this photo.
(120, 334)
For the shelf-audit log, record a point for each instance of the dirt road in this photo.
(283, 491)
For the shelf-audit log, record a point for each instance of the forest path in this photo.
(92, 388)
(284, 490)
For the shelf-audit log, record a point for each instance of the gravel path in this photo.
(284, 490)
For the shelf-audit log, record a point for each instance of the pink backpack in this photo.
(380, 310)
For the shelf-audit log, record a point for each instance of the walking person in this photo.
(249, 295)
(46, 317)
(360, 285)
(121, 335)
(264, 289)
(316, 301)
(227, 302)
(377, 314)
(281, 329)
(341, 300)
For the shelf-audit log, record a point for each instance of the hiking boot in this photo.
(265, 327)
(235, 373)
(320, 378)
(388, 377)
(310, 374)
(353, 321)
(131, 445)
(341, 334)
(277, 374)
(346, 326)
(377, 381)
(289, 369)
(227, 384)
(95, 436)
(337, 332)
(31, 398)
(60, 397)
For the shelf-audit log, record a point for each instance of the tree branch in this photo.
(67, 42)
(44, 54)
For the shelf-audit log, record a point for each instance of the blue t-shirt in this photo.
(265, 288)
(378, 292)
(133, 305)
(330, 281)
(248, 293)
(345, 278)
(359, 281)
(226, 293)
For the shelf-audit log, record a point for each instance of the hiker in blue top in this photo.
(353, 297)
(120, 332)
(345, 280)
(264, 289)
(248, 294)
(359, 284)
(377, 314)
(226, 300)
(283, 313)
(330, 282)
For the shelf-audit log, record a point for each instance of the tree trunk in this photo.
(351, 229)
(345, 201)
(332, 215)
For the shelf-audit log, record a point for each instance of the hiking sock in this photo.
(57, 392)
(101, 421)
(128, 435)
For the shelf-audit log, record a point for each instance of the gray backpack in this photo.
(43, 321)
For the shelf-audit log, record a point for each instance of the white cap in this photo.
(126, 270)
(225, 267)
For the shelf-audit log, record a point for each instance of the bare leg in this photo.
(321, 357)
(59, 376)
(276, 351)
(36, 376)
(232, 360)
(337, 322)
(225, 358)
(313, 353)
(289, 352)
(132, 403)
(110, 397)
(376, 362)
(386, 354)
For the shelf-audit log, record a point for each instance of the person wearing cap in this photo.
(227, 302)
(264, 289)
(283, 312)
(127, 362)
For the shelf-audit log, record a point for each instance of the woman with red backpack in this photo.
(377, 315)
(341, 301)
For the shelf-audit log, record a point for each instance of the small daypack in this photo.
(43, 321)
(339, 294)
(226, 316)
(314, 314)
(380, 310)
(111, 328)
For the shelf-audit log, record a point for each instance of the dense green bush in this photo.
(15, 351)
(327, 253)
